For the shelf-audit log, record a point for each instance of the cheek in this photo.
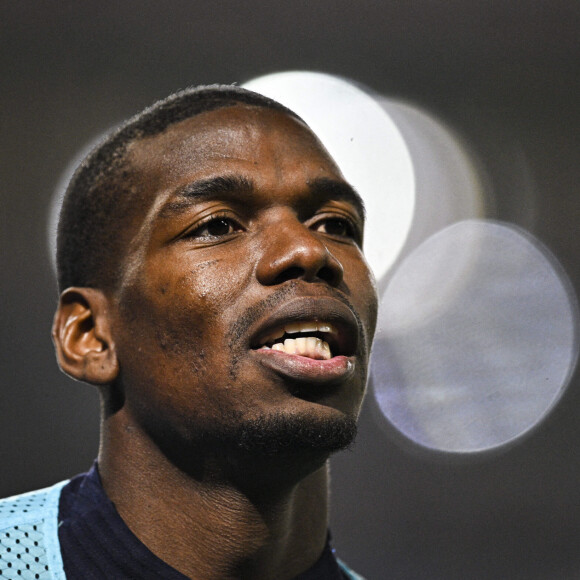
(362, 289)
(173, 346)
(372, 302)
(209, 286)
(178, 312)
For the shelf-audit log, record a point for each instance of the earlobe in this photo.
(82, 336)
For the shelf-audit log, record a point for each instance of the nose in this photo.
(292, 251)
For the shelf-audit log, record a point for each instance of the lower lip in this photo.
(304, 369)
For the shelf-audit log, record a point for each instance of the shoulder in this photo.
(29, 505)
(29, 534)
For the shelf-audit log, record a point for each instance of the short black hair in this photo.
(97, 202)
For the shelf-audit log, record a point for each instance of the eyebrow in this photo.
(333, 189)
(202, 189)
(225, 185)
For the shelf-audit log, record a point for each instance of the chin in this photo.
(295, 434)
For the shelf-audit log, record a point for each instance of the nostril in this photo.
(328, 275)
(292, 273)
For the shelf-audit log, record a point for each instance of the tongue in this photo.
(308, 346)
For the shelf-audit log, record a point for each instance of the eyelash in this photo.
(214, 218)
(351, 231)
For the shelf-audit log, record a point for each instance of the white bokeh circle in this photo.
(476, 338)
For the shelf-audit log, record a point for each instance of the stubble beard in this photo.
(271, 435)
(280, 434)
(259, 450)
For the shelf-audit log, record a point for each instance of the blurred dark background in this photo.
(505, 76)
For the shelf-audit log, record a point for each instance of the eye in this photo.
(336, 226)
(216, 227)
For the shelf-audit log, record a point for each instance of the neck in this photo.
(216, 521)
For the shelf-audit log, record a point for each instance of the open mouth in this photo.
(311, 339)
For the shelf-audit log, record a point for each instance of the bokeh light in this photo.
(449, 185)
(476, 338)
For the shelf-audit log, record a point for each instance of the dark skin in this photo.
(246, 224)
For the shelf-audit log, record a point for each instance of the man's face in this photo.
(249, 249)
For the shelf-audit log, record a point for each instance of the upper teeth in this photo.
(308, 346)
(296, 327)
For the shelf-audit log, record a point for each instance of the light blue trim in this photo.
(52, 544)
(38, 508)
(350, 573)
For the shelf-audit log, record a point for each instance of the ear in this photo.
(82, 336)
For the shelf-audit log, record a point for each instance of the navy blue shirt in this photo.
(96, 543)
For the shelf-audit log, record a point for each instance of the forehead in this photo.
(250, 138)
